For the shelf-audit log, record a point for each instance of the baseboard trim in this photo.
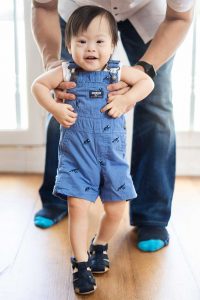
(22, 159)
(25, 159)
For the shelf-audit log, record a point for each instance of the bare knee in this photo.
(114, 212)
(78, 206)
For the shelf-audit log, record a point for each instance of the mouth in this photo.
(91, 58)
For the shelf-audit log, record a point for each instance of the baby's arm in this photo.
(41, 89)
(142, 85)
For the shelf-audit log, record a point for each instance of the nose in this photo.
(91, 47)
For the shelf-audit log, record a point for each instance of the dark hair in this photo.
(81, 19)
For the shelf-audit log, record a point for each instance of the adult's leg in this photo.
(153, 151)
(53, 209)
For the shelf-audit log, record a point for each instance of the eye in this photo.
(81, 41)
(100, 42)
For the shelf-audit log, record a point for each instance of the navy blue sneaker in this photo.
(83, 279)
(99, 258)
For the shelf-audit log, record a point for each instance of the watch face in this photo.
(151, 72)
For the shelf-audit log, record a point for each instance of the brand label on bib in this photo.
(96, 93)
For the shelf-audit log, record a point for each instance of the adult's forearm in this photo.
(168, 38)
(46, 30)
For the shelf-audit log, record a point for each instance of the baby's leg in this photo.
(110, 221)
(83, 279)
(78, 226)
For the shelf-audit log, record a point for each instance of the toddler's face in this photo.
(91, 49)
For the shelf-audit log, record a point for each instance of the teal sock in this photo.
(151, 245)
(152, 238)
(43, 222)
(49, 216)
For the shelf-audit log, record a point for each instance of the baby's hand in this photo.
(64, 114)
(117, 106)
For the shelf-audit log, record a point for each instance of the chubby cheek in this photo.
(106, 53)
(105, 57)
(77, 54)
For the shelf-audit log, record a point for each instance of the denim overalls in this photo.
(91, 153)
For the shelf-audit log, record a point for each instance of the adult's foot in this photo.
(152, 238)
(49, 216)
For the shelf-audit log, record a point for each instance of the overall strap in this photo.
(113, 67)
(69, 69)
(112, 64)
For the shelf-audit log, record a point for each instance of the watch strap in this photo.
(148, 68)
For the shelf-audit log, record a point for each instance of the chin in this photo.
(91, 69)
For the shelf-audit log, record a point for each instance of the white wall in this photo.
(30, 158)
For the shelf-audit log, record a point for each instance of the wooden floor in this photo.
(34, 263)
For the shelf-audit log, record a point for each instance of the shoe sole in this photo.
(100, 272)
(87, 293)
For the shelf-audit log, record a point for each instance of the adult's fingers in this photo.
(61, 91)
(119, 92)
(111, 112)
(61, 95)
(106, 107)
(64, 85)
(117, 86)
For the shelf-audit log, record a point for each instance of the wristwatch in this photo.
(148, 69)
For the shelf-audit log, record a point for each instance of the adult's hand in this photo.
(121, 87)
(61, 91)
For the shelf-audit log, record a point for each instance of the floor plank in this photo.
(17, 200)
(38, 260)
(186, 222)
